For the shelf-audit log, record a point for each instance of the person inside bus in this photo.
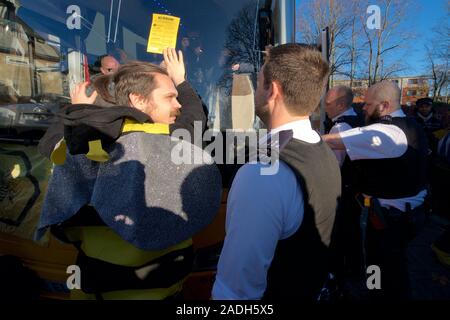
(117, 194)
(188, 54)
(108, 64)
(278, 227)
(193, 53)
(389, 155)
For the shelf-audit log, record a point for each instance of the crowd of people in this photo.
(339, 203)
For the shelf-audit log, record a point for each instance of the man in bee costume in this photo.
(116, 192)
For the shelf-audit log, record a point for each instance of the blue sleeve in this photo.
(258, 207)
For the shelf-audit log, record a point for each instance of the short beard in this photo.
(374, 117)
(175, 113)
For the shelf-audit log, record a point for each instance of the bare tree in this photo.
(356, 50)
(438, 59)
(439, 73)
(241, 48)
(353, 52)
(242, 37)
(381, 43)
(315, 15)
(355, 46)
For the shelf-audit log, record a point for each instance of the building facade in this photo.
(412, 88)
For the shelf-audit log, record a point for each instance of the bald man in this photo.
(389, 156)
(109, 64)
(338, 106)
(347, 243)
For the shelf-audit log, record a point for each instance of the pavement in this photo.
(430, 280)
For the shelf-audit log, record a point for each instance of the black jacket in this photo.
(191, 111)
(301, 262)
(430, 126)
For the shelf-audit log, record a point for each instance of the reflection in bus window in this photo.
(47, 47)
(53, 48)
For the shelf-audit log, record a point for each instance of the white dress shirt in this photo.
(381, 141)
(341, 127)
(261, 210)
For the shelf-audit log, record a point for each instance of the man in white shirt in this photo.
(390, 158)
(278, 227)
(338, 106)
(347, 241)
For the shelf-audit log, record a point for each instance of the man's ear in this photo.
(275, 91)
(384, 106)
(136, 101)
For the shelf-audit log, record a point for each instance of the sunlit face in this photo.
(332, 104)
(261, 94)
(162, 104)
(371, 107)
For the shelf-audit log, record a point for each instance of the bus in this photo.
(47, 47)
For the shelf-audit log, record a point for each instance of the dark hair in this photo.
(100, 59)
(133, 77)
(423, 101)
(346, 95)
(302, 74)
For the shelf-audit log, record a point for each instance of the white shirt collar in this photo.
(398, 114)
(302, 130)
(348, 112)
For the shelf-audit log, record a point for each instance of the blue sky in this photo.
(423, 16)
(429, 14)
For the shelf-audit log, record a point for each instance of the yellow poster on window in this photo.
(163, 33)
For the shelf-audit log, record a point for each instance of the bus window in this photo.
(219, 39)
(46, 47)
